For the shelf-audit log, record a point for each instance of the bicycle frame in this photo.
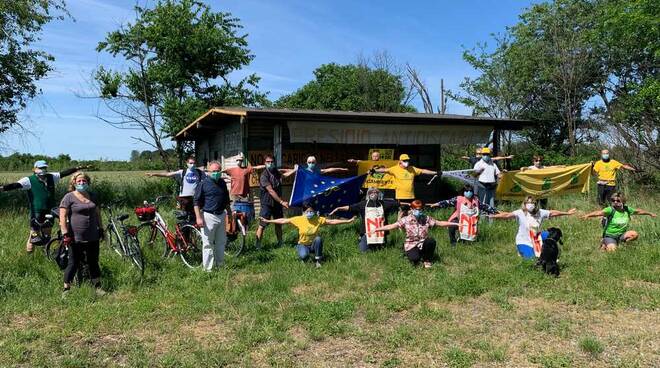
(158, 224)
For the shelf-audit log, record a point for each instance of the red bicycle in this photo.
(185, 241)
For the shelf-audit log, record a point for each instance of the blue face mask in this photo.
(485, 158)
(309, 215)
(82, 187)
(417, 213)
(468, 194)
(606, 157)
(270, 165)
(311, 166)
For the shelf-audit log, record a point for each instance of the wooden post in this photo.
(277, 144)
(496, 142)
(244, 136)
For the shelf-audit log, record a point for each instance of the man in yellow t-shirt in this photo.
(404, 177)
(308, 227)
(606, 169)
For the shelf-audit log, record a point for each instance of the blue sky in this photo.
(289, 39)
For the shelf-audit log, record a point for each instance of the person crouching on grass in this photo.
(617, 221)
(530, 218)
(418, 245)
(82, 229)
(308, 227)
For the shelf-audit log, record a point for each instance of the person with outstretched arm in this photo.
(375, 156)
(418, 245)
(188, 180)
(308, 227)
(477, 156)
(313, 167)
(40, 187)
(373, 210)
(404, 177)
(606, 170)
(466, 214)
(270, 195)
(530, 218)
(617, 220)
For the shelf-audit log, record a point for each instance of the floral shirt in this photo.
(416, 230)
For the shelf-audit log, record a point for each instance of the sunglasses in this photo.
(616, 201)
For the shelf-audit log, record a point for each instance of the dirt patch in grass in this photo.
(209, 331)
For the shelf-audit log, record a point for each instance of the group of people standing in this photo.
(204, 194)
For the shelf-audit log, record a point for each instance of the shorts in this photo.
(525, 251)
(270, 212)
(616, 239)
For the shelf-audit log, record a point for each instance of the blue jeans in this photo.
(316, 247)
(364, 247)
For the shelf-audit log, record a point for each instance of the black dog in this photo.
(550, 252)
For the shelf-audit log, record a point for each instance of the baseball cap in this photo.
(404, 157)
(39, 164)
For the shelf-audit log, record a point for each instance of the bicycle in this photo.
(236, 233)
(39, 236)
(123, 238)
(53, 244)
(185, 241)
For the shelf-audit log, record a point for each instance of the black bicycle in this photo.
(123, 239)
(53, 244)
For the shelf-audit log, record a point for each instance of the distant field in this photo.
(479, 306)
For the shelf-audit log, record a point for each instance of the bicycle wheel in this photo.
(235, 246)
(134, 253)
(149, 238)
(191, 251)
(113, 240)
(51, 248)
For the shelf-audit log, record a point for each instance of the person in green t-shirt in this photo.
(617, 219)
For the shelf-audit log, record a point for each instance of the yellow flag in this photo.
(544, 183)
(380, 181)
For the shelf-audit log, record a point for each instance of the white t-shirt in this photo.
(25, 182)
(489, 173)
(529, 225)
(189, 181)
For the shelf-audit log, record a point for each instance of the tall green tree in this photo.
(180, 57)
(350, 88)
(21, 65)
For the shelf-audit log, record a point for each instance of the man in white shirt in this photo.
(188, 179)
(488, 173)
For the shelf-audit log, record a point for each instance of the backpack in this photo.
(606, 221)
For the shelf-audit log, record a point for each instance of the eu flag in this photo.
(325, 193)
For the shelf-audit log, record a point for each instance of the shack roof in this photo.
(216, 116)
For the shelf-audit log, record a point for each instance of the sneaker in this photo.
(65, 292)
(258, 244)
(317, 264)
(428, 264)
(98, 291)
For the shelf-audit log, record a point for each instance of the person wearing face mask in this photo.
(373, 211)
(313, 167)
(530, 218)
(488, 173)
(239, 192)
(477, 156)
(466, 214)
(188, 180)
(404, 177)
(40, 187)
(308, 225)
(606, 169)
(270, 197)
(618, 216)
(418, 245)
(82, 230)
(211, 211)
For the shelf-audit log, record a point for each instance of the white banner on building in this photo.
(402, 134)
(463, 175)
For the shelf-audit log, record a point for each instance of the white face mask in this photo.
(190, 166)
(40, 172)
(530, 207)
(405, 163)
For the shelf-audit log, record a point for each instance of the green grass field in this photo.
(480, 305)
